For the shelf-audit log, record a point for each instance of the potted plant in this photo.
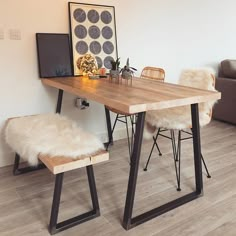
(115, 66)
(127, 71)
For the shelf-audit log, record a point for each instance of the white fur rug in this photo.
(51, 134)
(180, 117)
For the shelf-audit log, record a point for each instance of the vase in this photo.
(126, 75)
(114, 75)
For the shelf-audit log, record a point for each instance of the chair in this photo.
(121, 117)
(148, 72)
(154, 73)
(179, 118)
(61, 146)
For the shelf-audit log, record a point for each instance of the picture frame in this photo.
(93, 32)
(54, 55)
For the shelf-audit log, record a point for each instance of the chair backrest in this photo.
(154, 73)
(202, 79)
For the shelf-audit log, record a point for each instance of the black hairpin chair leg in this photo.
(153, 145)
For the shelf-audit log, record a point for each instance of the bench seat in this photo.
(61, 146)
(62, 164)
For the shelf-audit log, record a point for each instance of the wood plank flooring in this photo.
(25, 201)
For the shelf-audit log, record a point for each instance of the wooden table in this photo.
(141, 96)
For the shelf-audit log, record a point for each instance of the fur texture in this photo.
(51, 134)
(180, 117)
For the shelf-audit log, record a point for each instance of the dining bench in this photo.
(56, 142)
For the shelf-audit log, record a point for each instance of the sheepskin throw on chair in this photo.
(180, 117)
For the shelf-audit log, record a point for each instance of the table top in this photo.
(141, 95)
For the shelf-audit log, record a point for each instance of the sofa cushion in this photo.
(224, 110)
(228, 68)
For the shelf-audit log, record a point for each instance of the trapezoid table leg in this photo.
(109, 129)
(131, 222)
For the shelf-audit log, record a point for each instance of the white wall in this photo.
(167, 33)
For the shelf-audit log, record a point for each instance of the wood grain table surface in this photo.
(142, 95)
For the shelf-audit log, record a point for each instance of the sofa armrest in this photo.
(228, 69)
(225, 108)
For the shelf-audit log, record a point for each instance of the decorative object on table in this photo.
(87, 65)
(54, 59)
(93, 31)
(115, 68)
(102, 71)
(127, 71)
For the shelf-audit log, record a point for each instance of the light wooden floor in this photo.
(25, 201)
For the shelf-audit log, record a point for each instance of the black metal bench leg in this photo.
(55, 227)
(23, 170)
(93, 190)
(56, 203)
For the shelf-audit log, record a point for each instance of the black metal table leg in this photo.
(197, 148)
(128, 221)
(134, 164)
(59, 101)
(109, 130)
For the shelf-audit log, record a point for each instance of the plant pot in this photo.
(127, 75)
(114, 74)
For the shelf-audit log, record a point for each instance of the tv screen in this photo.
(54, 58)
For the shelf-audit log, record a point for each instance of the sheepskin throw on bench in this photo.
(51, 134)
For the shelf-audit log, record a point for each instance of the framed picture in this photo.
(54, 57)
(93, 31)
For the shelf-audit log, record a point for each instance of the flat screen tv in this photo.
(54, 57)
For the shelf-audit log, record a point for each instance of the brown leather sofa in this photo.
(225, 109)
